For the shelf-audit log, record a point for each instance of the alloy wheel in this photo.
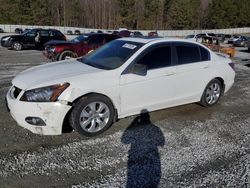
(94, 117)
(213, 93)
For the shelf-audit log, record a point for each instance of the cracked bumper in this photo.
(52, 113)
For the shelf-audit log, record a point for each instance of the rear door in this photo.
(29, 38)
(45, 36)
(192, 71)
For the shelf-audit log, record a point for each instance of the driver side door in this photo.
(152, 91)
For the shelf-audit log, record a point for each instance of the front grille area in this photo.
(16, 92)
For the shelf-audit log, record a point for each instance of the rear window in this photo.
(55, 33)
(191, 53)
(205, 55)
(188, 53)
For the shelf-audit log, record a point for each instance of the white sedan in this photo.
(120, 79)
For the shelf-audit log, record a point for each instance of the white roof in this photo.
(147, 40)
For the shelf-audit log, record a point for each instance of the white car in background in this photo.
(233, 39)
(118, 80)
(198, 37)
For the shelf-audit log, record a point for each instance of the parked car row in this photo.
(236, 40)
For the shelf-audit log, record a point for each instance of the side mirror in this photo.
(139, 69)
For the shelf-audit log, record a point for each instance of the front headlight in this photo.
(51, 49)
(44, 94)
(5, 39)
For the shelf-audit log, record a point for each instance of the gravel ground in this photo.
(186, 146)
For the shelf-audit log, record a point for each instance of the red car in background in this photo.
(77, 47)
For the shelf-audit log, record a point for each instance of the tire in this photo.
(92, 115)
(17, 46)
(66, 53)
(212, 93)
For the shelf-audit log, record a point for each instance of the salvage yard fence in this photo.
(164, 33)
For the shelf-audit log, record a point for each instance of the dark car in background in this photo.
(136, 34)
(19, 30)
(153, 34)
(241, 42)
(77, 32)
(79, 46)
(1, 30)
(69, 32)
(35, 38)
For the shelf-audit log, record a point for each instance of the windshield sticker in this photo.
(129, 46)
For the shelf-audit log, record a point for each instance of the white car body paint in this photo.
(130, 93)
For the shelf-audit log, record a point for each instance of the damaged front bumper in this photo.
(52, 114)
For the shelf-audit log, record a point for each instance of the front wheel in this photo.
(92, 115)
(17, 46)
(212, 93)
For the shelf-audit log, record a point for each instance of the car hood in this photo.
(58, 42)
(12, 36)
(51, 72)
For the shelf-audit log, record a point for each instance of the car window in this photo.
(157, 58)
(96, 40)
(80, 38)
(205, 55)
(31, 33)
(187, 53)
(201, 35)
(44, 33)
(53, 33)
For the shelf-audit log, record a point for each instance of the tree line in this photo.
(132, 14)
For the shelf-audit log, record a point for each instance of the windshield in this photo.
(80, 38)
(112, 55)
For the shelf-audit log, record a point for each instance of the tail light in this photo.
(232, 65)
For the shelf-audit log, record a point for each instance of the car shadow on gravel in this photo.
(144, 164)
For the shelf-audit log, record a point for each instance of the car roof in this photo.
(91, 34)
(159, 39)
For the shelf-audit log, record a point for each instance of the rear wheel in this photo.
(17, 46)
(92, 115)
(65, 54)
(212, 93)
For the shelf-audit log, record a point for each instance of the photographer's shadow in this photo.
(144, 164)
